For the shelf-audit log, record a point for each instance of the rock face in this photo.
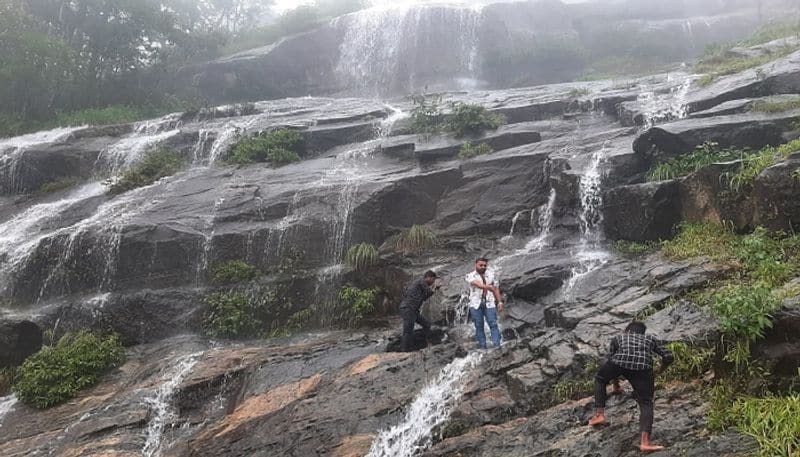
(499, 45)
(565, 177)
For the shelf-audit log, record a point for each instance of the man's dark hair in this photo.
(430, 274)
(636, 327)
(481, 259)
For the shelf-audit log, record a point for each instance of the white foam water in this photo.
(669, 106)
(7, 404)
(160, 403)
(432, 407)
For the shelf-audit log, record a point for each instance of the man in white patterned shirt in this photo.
(631, 356)
(484, 302)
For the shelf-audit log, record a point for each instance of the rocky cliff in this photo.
(567, 177)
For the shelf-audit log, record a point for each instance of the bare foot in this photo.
(598, 420)
(650, 448)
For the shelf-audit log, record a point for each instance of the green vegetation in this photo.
(773, 31)
(701, 239)
(235, 314)
(635, 248)
(293, 324)
(428, 117)
(155, 165)
(7, 377)
(415, 239)
(576, 388)
(233, 272)
(702, 156)
(59, 184)
(753, 164)
(469, 151)
(277, 147)
(796, 175)
(579, 92)
(58, 373)
(690, 362)
(465, 119)
(719, 61)
(776, 106)
(773, 422)
(358, 303)
(362, 256)
(744, 310)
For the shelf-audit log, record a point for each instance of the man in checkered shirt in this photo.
(631, 356)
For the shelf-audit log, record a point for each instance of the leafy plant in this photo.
(796, 175)
(235, 314)
(772, 422)
(634, 248)
(415, 239)
(690, 362)
(702, 156)
(745, 311)
(466, 118)
(233, 272)
(358, 302)
(426, 115)
(157, 164)
(7, 378)
(362, 256)
(721, 63)
(468, 150)
(721, 398)
(573, 389)
(59, 184)
(701, 239)
(276, 147)
(58, 373)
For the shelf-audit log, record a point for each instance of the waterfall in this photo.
(12, 150)
(7, 405)
(544, 221)
(386, 47)
(669, 106)
(160, 403)
(430, 408)
(130, 149)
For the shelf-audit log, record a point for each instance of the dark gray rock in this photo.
(642, 212)
(18, 340)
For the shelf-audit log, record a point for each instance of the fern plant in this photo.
(415, 239)
(362, 256)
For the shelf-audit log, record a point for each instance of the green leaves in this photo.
(234, 271)
(235, 314)
(357, 302)
(362, 257)
(702, 156)
(428, 117)
(58, 373)
(745, 311)
(468, 150)
(155, 165)
(415, 239)
(278, 147)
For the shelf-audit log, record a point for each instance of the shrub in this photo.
(728, 63)
(362, 256)
(277, 147)
(702, 156)
(293, 324)
(721, 398)
(776, 106)
(767, 256)
(58, 373)
(60, 184)
(744, 311)
(468, 150)
(233, 272)
(415, 239)
(426, 115)
(7, 378)
(773, 422)
(701, 239)
(155, 165)
(471, 119)
(358, 302)
(234, 314)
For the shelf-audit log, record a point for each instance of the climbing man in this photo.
(631, 356)
(415, 294)
(484, 302)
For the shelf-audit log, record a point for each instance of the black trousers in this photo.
(411, 317)
(643, 383)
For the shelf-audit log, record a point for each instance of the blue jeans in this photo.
(490, 314)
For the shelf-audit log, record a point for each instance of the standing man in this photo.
(415, 294)
(484, 302)
(631, 356)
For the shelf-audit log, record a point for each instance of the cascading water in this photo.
(590, 255)
(430, 408)
(669, 106)
(377, 56)
(544, 216)
(12, 150)
(7, 405)
(161, 410)
(130, 149)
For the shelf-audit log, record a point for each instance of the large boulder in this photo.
(18, 340)
(642, 212)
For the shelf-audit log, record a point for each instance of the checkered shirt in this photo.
(635, 351)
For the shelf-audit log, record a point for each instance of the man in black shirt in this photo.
(631, 356)
(415, 294)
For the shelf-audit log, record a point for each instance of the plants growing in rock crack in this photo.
(635, 247)
(277, 147)
(233, 272)
(362, 256)
(357, 303)
(235, 314)
(426, 114)
(706, 154)
(156, 164)
(59, 372)
(415, 239)
(690, 362)
(469, 151)
(775, 105)
(466, 118)
(7, 377)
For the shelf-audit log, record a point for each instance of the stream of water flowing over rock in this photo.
(377, 56)
(162, 412)
(7, 405)
(667, 106)
(431, 407)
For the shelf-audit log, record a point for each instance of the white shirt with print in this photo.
(475, 293)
